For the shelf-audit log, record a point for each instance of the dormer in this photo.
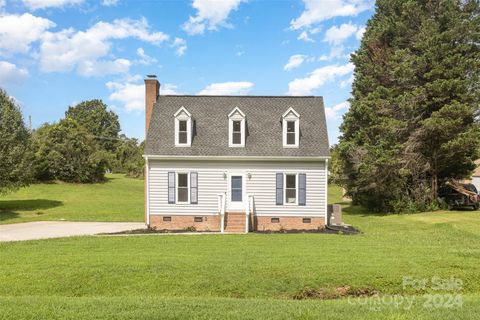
(291, 129)
(236, 128)
(183, 128)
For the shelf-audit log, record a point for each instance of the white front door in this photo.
(236, 191)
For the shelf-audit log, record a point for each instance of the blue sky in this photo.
(55, 53)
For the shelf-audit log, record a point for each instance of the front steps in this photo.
(235, 222)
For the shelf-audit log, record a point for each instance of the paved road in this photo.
(59, 229)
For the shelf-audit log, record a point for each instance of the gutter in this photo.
(235, 158)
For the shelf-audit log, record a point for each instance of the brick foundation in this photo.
(209, 223)
(288, 223)
(212, 223)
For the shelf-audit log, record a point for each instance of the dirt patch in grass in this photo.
(334, 293)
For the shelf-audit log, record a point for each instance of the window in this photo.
(236, 128)
(291, 129)
(198, 219)
(182, 188)
(307, 220)
(290, 132)
(290, 188)
(182, 132)
(167, 219)
(237, 190)
(275, 220)
(237, 132)
(183, 128)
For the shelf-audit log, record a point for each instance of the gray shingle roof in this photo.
(263, 120)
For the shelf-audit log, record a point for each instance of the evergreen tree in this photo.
(412, 122)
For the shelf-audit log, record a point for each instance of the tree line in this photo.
(413, 121)
(79, 148)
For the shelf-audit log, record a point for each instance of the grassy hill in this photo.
(247, 276)
(117, 199)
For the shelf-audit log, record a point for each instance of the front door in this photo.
(236, 192)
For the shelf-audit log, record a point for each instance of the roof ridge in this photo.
(236, 96)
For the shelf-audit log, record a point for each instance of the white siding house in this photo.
(236, 163)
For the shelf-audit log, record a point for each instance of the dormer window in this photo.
(291, 129)
(182, 132)
(183, 128)
(236, 128)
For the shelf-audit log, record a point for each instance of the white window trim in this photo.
(188, 188)
(232, 117)
(286, 118)
(285, 189)
(183, 115)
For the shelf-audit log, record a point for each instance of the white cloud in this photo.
(18, 32)
(11, 74)
(145, 59)
(336, 35)
(3, 3)
(318, 78)
(70, 49)
(294, 62)
(304, 36)
(317, 11)
(180, 46)
(131, 95)
(90, 68)
(167, 88)
(109, 3)
(348, 82)
(42, 4)
(211, 14)
(335, 52)
(333, 113)
(360, 33)
(227, 88)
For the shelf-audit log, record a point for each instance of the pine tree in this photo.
(412, 122)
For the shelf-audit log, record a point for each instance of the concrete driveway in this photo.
(59, 229)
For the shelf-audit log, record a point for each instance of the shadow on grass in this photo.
(350, 209)
(7, 215)
(28, 205)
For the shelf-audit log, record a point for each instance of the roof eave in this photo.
(236, 158)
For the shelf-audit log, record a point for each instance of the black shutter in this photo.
(279, 188)
(171, 187)
(302, 189)
(193, 187)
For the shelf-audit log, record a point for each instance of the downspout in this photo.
(326, 192)
(147, 196)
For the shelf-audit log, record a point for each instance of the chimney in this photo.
(152, 90)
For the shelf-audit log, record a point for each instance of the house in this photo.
(235, 163)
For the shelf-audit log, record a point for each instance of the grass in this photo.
(247, 276)
(117, 199)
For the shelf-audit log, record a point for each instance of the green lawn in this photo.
(247, 276)
(118, 199)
